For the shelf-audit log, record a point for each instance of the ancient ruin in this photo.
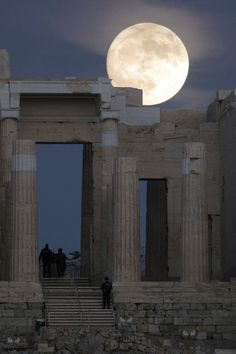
(187, 157)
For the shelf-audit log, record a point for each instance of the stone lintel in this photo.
(141, 115)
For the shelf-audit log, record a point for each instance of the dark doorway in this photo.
(156, 244)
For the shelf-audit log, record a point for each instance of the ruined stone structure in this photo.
(188, 160)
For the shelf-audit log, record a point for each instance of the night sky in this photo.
(59, 38)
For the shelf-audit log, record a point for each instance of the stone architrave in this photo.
(126, 242)
(24, 258)
(194, 214)
(7, 138)
(109, 154)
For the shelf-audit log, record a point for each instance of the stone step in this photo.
(79, 323)
(78, 316)
(70, 304)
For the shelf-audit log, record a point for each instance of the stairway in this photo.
(71, 302)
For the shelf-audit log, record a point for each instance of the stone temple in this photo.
(186, 300)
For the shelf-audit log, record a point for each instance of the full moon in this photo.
(150, 57)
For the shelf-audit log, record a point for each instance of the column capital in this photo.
(126, 164)
(9, 114)
(109, 114)
(9, 102)
(194, 150)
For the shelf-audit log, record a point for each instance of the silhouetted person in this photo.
(106, 292)
(46, 257)
(60, 258)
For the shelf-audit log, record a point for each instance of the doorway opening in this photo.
(153, 229)
(59, 191)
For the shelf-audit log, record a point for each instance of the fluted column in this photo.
(194, 214)
(4, 65)
(87, 211)
(24, 260)
(8, 137)
(109, 153)
(126, 244)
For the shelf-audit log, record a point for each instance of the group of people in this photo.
(48, 258)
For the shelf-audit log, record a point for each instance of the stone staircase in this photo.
(72, 302)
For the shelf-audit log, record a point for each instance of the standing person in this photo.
(106, 292)
(46, 257)
(60, 258)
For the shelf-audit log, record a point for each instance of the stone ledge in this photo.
(174, 292)
(15, 292)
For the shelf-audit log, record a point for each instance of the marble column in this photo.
(109, 153)
(87, 211)
(4, 65)
(194, 214)
(24, 258)
(126, 243)
(156, 259)
(7, 138)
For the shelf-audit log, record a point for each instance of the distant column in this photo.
(156, 259)
(87, 211)
(4, 65)
(24, 258)
(194, 214)
(109, 153)
(8, 137)
(126, 245)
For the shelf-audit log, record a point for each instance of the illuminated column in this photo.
(24, 259)
(194, 217)
(8, 137)
(126, 245)
(109, 153)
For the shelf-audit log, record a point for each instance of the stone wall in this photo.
(21, 303)
(177, 315)
(151, 317)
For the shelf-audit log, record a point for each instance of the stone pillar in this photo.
(126, 243)
(7, 138)
(156, 259)
(87, 211)
(109, 153)
(4, 65)
(194, 214)
(24, 257)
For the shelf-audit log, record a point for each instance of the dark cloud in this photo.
(71, 37)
